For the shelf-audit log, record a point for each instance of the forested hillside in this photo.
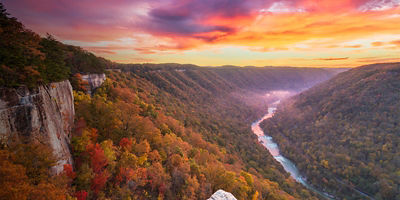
(344, 134)
(212, 88)
(148, 154)
(188, 116)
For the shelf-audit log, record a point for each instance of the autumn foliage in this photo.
(127, 147)
(126, 143)
(97, 157)
(69, 171)
(20, 181)
(81, 195)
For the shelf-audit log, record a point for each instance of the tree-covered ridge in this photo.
(253, 78)
(344, 134)
(28, 59)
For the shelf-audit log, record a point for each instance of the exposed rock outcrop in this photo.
(94, 81)
(222, 195)
(45, 115)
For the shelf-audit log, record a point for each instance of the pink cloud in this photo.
(88, 20)
(187, 24)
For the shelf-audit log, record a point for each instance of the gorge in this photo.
(76, 126)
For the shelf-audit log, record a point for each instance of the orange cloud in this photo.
(377, 60)
(377, 44)
(353, 46)
(111, 49)
(332, 59)
(281, 30)
(397, 42)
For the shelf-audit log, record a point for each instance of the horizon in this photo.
(244, 66)
(293, 33)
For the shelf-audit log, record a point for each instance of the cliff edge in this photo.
(44, 114)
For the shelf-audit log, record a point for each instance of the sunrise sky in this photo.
(314, 33)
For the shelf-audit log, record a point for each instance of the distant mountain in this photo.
(250, 78)
(344, 134)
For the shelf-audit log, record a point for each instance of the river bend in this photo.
(273, 149)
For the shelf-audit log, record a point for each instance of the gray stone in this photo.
(94, 80)
(222, 195)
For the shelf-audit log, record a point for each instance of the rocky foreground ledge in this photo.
(222, 195)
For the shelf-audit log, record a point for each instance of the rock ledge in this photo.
(222, 195)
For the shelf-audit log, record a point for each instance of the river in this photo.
(273, 149)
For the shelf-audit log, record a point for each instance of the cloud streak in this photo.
(332, 59)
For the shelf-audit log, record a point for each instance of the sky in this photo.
(302, 33)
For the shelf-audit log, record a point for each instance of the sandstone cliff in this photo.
(44, 114)
(94, 81)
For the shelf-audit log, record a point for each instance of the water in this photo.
(273, 148)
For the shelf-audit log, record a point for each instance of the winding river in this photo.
(273, 149)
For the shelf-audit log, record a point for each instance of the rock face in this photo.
(45, 115)
(222, 195)
(94, 80)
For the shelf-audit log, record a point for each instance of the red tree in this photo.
(126, 143)
(97, 157)
(69, 171)
(81, 195)
(99, 181)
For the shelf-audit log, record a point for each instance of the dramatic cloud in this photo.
(397, 42)
(174, 30)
